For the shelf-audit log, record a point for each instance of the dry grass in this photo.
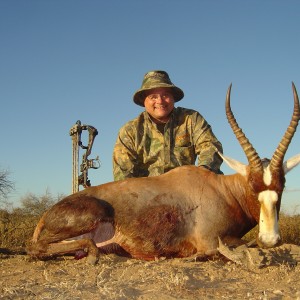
(290, 229)
(15, 229)
(122, 278)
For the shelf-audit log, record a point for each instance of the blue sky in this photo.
(63, 61)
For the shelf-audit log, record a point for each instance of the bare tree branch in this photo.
(6, 185)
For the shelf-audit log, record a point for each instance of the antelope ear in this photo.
(234, 164)
(292, 162)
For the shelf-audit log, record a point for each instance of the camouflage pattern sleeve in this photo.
(124, 155)
(206, 144)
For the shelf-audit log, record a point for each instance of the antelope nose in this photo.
(268, 241)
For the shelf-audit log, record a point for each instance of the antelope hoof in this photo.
(92, 259)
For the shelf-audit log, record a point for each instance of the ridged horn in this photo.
(252, 156)
(278, 156)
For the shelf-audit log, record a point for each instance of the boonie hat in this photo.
(153, 80)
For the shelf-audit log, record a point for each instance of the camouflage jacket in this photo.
(143, 149)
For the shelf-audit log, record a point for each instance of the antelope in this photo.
(182, 213)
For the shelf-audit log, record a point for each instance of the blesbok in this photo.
(178, 214)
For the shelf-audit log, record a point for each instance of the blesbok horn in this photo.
(278, 156)
(251, 154)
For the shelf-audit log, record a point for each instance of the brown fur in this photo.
(148, 218)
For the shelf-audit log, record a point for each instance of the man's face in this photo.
(159, 103)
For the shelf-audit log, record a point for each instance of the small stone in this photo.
(278, 292)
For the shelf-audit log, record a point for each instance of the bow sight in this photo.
(75, 133)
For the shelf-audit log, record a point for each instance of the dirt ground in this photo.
(252, 274)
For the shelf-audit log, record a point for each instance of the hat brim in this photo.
(139, 95)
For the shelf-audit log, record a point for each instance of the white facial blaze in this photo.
(268, 221)
(267, 176)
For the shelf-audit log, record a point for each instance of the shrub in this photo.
(17, 225)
